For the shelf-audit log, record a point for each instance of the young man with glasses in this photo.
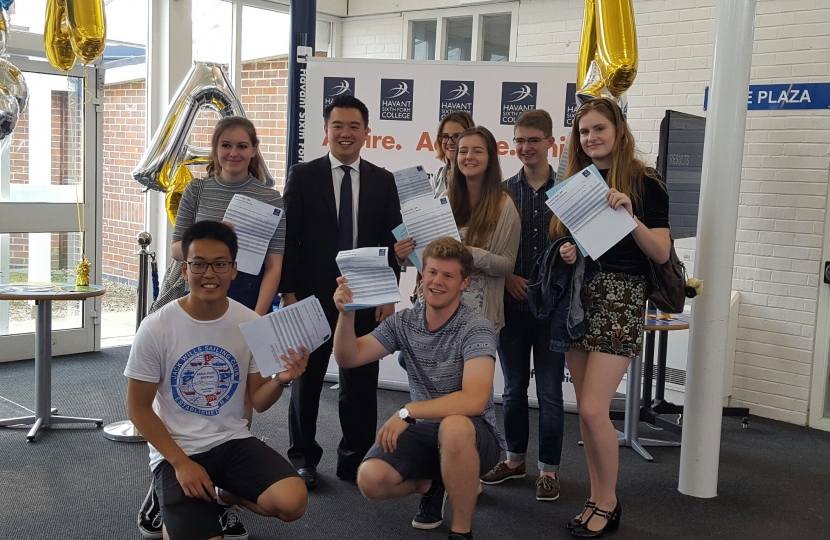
(522, 333)
(188, 373)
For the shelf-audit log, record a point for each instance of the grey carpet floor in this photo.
(774, 478)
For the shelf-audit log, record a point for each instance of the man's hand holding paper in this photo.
(373, 283)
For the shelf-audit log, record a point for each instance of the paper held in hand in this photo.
(269, 338)
(413, 183)
(581, 203)
(254, 223)
(371, 280)
(426, 219)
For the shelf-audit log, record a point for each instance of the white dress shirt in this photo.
(337, 175)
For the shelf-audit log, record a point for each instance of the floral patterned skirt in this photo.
(615, 306)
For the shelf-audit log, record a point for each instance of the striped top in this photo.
(208, 198)
(435, 359)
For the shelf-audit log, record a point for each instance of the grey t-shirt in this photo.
(435, 359)
(208, 199)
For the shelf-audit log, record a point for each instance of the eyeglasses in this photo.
(200, 267)
(532, 141)
(446, 138)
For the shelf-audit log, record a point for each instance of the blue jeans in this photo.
(245, 288)
(521, 334)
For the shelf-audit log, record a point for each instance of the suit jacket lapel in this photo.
(327, 186)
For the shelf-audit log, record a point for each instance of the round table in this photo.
(634, 410)
(43, 294)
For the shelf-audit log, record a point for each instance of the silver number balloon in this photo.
(12, 82)
(206, 86)
(14, 93)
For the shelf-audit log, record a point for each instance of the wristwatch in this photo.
(284, 385)
(403, 414)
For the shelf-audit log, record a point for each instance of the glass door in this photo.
(49, 205)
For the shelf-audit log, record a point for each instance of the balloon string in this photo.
(78, 204)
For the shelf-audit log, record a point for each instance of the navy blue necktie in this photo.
(345, 223)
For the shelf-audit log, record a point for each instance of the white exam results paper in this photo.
(581, 203)
(254, 223)
(412, 183)
(371, 280)
(269, 337)
(427, 218)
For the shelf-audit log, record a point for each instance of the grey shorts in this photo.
(245, 467)
(417, 454)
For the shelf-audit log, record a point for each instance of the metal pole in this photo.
(124, 430)
(144, 240)
(715, 248)
(303, 33)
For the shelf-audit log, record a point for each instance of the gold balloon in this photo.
(608, 48)
(56, 39)
(87, 28)
(176, 185)
(4, 29)
(171, 203)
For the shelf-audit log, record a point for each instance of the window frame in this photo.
(441, 16)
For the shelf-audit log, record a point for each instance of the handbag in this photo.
(667, 282)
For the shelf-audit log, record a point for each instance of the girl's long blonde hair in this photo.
(481, 220)
(627, 170)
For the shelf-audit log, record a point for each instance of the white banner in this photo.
(406, 101)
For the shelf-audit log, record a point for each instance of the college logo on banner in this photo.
(456, 96)
(570, 104)
(396, 99)
(516, 98)
(336, 86)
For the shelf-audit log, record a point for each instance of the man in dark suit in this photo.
(335, 203)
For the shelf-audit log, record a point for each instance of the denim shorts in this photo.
(417, 454)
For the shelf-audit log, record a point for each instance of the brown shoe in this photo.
(502, 472)
(547, 488)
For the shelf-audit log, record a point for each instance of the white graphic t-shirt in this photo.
(203, 368)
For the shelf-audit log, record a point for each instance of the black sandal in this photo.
(577, 521)
(612, 523)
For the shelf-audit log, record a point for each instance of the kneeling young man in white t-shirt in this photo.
(447, 436)
(188, 373)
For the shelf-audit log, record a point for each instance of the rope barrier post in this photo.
(144, 240)
(125, 431)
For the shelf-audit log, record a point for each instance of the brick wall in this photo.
(372, 38)
(785, 168)
(123, 212)
(264, 97)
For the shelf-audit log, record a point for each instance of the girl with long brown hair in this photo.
(614, 299)
(487, 219)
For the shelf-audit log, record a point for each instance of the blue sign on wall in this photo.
(768, 97)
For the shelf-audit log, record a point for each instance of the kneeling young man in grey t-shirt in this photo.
(447, 436)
